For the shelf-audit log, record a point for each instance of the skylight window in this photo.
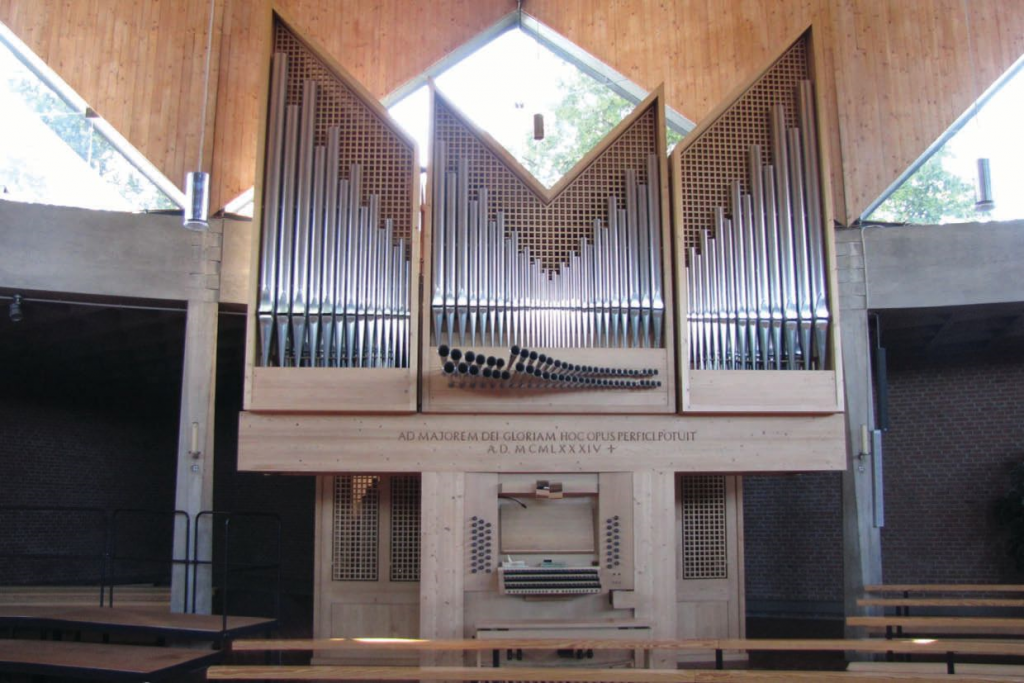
(504, 83)
(55, 150)
(940, 187)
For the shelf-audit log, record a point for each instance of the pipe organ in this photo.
(756, 287)
(606, 293)
(560, 449)
(336, 301)
(575, 272)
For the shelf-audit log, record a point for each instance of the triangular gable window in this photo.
(520, 69)
(940, 187)
(54, 149)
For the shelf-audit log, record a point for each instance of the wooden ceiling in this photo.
(896, 74)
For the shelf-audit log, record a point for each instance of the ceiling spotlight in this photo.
(14, 310)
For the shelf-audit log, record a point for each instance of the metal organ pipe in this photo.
(758, 293)
(333, 283)
(489, 289)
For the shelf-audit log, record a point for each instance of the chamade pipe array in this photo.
(756, 288)
(334, 282)
(489, 289)
(530, 369)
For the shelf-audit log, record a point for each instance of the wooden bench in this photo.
(567, 675)
(935, 625)
(100, 661)
(134, 621)
(937, 669)
(933, 588)
(937, 596)
(134, 596)
(945, 648)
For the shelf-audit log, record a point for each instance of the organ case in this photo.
(580, 271)
(755, 261)
(335, 268)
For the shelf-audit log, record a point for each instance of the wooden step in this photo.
(100, 661)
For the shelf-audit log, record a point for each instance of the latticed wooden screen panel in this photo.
(385, 158)
(718, 156)
(356, 527)
(704, 527)
(405, 528)
(551, 231)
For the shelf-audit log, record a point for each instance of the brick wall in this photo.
(956, 428)
(793, 542)
(69, 451)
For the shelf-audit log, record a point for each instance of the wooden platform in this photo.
(137, 621)
(100, 661)
(133, 596)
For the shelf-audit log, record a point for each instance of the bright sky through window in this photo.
(501, 86)
(994, 133)
(51, 153)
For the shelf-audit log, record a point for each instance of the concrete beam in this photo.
(98, 253)
(918, 266)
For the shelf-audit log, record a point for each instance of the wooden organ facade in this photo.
(529, 409)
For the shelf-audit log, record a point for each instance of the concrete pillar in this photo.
(194, 487)
(862, 552)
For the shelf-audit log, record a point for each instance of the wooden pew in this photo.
(946, 648)
(568, 675)
(945, 625)
(940, 602)
(933, 588)
(134, 596)
(100, 661)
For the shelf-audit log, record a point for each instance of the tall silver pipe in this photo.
(405, 291)
(622, 257)
(644, 262)
(286, 236)
(816, 228)
(785, 226)
(388, 285)
(630, 260)
(739, 283)
(300, 291)
(728, 243)
(760, 254)
(462, 220)
(774, 265)
(353, 251)
(340, 290)
(710, 251)
(272, 217)
(750, 274)
(316, 253)
(803, 290)
(503, 274)
(693, 310)
(373, 275)
(493, 269)
(472, 251)
(654, 228)
(330, 268)
(450, 214)
(437, 300)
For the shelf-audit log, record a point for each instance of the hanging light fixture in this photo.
(984, 201)
(14, 310)
(538, 118)
(197, 183)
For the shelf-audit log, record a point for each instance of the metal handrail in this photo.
(227, 567)
(101, 556)
(113, 557)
